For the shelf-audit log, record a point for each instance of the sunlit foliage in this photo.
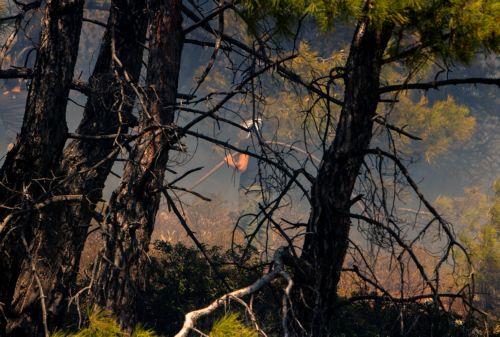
(454, 29)
(102, 324)
(230, 325)
(479, 215)
(441, 125)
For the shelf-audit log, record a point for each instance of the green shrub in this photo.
(101, 323)
(231, 326)
(180, 280)
(141, 331)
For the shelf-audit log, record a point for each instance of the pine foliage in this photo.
(230, 325)
(479, 214)
(449, 29)
(101, 323)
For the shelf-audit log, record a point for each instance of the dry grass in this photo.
(213, 224)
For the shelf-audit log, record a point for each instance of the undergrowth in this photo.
(178, 280)
(230, 325)
(101, 323)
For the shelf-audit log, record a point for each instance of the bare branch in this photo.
(401, 131)
(437, 84)
(278, 270)
(287, 73)
(208, 18)
(16, 73)
(27, 73)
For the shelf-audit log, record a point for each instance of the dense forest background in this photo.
(371, 131)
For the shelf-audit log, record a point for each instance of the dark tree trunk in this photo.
(329, 223)
(30, 165)
(59, 242)
(133, 206)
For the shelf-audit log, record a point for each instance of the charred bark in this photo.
(134, 204)
(30, 166)
(329, 223)
(86, 164)
(59, 242)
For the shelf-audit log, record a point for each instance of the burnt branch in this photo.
(27, 73)
(437, 84)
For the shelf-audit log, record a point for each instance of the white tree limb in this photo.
(192, 317)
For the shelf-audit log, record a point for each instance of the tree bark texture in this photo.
(134, 204)
(329, 223)
(86, 164)
(30, 166)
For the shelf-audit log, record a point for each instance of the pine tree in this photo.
(410, 32)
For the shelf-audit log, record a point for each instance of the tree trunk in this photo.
(329, 223)
(30, 165)
(59, 241)
(133, 205)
